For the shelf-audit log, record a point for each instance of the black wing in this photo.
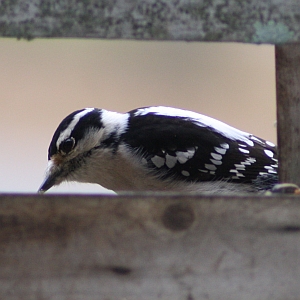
(176, 147)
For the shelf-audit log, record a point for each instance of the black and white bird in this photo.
(159, 149)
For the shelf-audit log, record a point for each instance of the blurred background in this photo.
(42, 81)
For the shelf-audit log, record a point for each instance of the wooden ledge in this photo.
(149, 247)
(252, 21)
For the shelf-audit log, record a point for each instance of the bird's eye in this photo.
(67, 145)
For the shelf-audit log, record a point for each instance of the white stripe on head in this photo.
(113, 123)
(67, 132)
(198, 119)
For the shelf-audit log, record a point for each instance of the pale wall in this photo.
(44, 80)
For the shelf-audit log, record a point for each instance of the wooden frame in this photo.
(155, 246)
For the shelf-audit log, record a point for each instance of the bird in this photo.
(159, 148)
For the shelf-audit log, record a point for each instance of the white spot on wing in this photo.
(240, 167)
(170, 161)
(257, 140)
(191, 151)
(250, 143)
(244, 150)
(185, 173)
(210, 167)
(251, 160)
(220, 150)
(225, 146)
(158, 161)
(240, 175)
(270, 144)
(268, 168)
(216, 162)
(269, 153)
(216, 156)
(237, 173)
(263, 173)
(182, 157)
(247, 162)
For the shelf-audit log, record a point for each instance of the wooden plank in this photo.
(149, 247)
(288, 111)
(255, 21)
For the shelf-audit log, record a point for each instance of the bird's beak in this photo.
(48, 183)
(52, 177)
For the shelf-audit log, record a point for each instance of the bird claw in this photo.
(284, 188)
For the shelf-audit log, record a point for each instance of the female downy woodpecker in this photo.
(159, 149)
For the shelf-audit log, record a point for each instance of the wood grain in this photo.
(149, 247)
(255, 21)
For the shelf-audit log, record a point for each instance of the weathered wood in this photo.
(288, 111)
(255, 21)
(150, 247)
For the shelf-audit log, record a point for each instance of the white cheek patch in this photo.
(91, 139)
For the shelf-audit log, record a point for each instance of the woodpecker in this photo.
(159, 149)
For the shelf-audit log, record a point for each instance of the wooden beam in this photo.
(255, 21)
(149, 247)
(288, 111)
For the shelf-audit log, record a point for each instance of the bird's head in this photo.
(74, 141)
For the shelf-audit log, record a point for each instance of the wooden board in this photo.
(255, 21)
(288, 111)
(149, 247)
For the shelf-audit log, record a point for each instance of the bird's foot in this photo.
(284, 188)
